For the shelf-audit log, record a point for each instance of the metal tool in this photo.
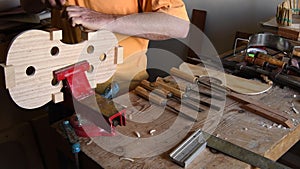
(240, 153)
(73, 139)
(190, 148)
(208, 94)
(187, 151)
(270, 40)
(197, 80)
(251, 105)
(268, 62)
(182, 96)
(85, 104)
(169, 92)
(160, 101)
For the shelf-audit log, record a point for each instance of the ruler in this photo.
(193, 146)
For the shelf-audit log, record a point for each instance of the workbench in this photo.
(242, 128)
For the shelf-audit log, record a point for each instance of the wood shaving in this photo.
(152, 132)
(90, 142)
(137, 134)
(126, 158)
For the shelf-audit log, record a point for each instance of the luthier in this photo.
(144, 128)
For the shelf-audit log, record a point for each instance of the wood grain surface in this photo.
(35, 54)
(234, 124)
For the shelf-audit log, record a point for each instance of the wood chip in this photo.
(137, 134)
(126, 158)
(152, 132)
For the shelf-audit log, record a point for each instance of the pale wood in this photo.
(183, 75)
(10, 78)
(58, 97)
(32, 48)
(119, 52)
(234, 83)
(55, 34)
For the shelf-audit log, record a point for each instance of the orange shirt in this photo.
(135, 48)
(125, 7)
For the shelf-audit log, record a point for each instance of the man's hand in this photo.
(88, 18)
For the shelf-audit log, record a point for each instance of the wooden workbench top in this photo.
(245, 129)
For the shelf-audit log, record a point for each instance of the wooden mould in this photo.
(34, 54)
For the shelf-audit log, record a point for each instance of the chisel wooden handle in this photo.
(153, 87)
(296, 51)
(150, 96)
(260, 59)
(176, 92)
(190, 78)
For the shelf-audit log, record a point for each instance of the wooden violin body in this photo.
(34, 54)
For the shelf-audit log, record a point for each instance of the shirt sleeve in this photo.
(173, 7)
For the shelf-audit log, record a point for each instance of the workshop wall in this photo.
(224, 18)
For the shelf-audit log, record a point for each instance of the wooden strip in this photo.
(119, 52)
(268, 115)
(9, 72)
(263, 110)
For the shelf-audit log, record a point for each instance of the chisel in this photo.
(196, 80)
(171, 93)
(180, 95)
(186, 152)
(160, 101)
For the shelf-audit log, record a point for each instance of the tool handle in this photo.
(271, 60)
(150, 96)
(190, 78)
(296, 52)
(153, 87)
(176, 92)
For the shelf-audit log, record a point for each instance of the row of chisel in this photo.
(163, 91)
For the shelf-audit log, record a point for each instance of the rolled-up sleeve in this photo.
(172, 7)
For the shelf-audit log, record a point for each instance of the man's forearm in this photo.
(152, 25)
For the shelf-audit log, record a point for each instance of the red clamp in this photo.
(80, 88)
